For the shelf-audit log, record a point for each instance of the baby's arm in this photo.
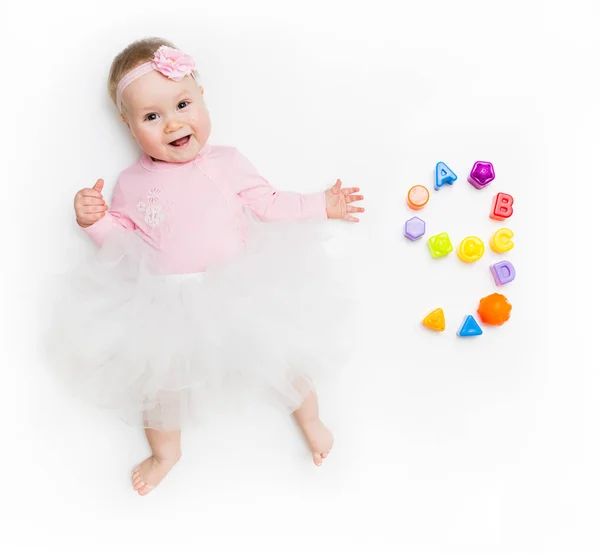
(272, 205)
(94, 216)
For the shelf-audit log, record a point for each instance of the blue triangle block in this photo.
(443, 175)
(470, 327)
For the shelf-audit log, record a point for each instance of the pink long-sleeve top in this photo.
(192, 213)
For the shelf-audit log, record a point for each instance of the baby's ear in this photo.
(201, 89)
(125, 120)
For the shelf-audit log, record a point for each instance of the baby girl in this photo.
(188, 290)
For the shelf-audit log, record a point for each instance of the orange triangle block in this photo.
(435, 320)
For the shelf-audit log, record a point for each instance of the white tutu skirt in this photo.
(154, 347)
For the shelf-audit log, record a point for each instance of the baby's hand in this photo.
(338, 200)
(90, 205)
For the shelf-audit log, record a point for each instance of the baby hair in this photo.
(137, 53)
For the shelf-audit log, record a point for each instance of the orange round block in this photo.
(435, 320)
(494, 309)
(417, 197)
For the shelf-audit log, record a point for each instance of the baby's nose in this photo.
(173, 125)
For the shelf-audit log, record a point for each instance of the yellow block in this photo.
(435, 320)
(501, 241)
(471, 249)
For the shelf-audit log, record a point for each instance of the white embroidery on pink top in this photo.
(153, 195)
(154, 214)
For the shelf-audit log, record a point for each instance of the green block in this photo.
(439, 245)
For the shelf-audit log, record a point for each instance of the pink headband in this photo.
(172, 63)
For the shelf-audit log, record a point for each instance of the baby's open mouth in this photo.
(180, 142)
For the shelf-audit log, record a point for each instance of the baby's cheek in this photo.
(141, 136)
(203, 124)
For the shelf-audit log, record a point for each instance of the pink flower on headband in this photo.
(173, 63)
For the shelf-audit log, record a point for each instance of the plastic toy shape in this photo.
(494, 309)
(470, 327)
(501, 241)
(439, 245)
(504, 272)
(443, 175)
(414, 228)
(470, 249)
(481, 174)
(501, 206)
(417, 197)
(435, 320)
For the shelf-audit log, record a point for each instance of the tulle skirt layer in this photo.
(153, 347)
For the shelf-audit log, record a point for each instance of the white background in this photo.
(442, 444)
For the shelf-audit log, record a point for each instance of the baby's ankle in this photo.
(309, 423)
(167, 457)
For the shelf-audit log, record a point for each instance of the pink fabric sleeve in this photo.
(272, 205)
(113, 219)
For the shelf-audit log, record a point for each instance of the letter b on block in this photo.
(502, 207)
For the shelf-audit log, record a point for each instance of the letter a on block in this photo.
(435, 320)
(443, 175)
(470, 327)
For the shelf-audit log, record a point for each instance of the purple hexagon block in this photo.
(414, 228)
(481, 174)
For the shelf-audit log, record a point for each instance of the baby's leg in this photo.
(318, 436)
(166, 451)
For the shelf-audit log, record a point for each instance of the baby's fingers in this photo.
(93, 217)
(90, 193)
(85, 201)
(354, 198)
(94, 209)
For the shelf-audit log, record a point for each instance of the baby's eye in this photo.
(150, 117)
(182, 104)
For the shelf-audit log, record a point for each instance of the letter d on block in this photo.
(504, 272)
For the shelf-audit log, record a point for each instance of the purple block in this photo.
(481, 174)
(414, 228)
(504, 272)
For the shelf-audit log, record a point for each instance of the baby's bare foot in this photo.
(147, 475)
(319, 438)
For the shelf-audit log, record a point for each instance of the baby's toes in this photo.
(145, 489)
(138, 483)
(318, 460)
